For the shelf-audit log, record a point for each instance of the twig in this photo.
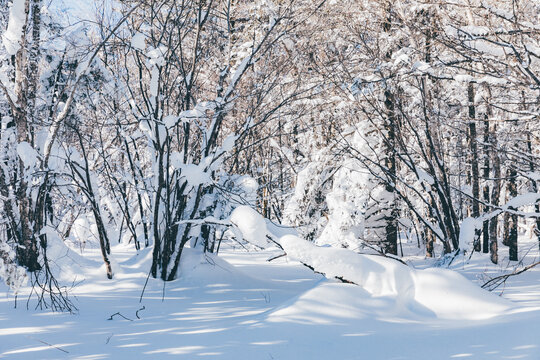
(51, 345)
(381, 253)
(340, 278)
(163, 292)
(497, 281)
(456, 253)
(12, 104)
(144, 287)
(137, 312)
(276, 257)
(274, 241)
(118, 313)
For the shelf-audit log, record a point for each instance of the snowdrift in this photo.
(430, 293)
(250, 224)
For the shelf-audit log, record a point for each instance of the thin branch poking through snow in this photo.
(340, 278)
(499, 280)
(118, 313)
(50, 345)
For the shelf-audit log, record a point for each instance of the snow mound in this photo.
(251, 225)
(439, 293)
(68, 264)
(451, 296)
(197, 267)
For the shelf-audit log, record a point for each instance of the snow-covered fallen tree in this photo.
(442, 293)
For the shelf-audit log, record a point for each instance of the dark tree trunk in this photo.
(495, 195)
(512, 239)
(104, 242)
(473, 148)
(506, 228)
(485, 229)
(390, 124)
(391, 228)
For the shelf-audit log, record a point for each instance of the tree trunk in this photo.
(513, 218)
(104, 242)
(27, 249)
(391, 229)
(485, 229)
(33, 72)
(495, 195)
(473, 148)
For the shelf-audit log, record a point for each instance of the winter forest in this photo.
(269, 179)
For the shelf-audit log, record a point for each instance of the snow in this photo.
(154, 82)
(82, 67)
(377, 275)
(228, 143)
(463, 78)
(425, 177)
(239, 306)
(251, 225)
(522, 200)
(534, 176)
(138, 41)
(421, 66)
(431, 293)
(238, 73)
(156, 59)
(17, 19)
(14, 276)
(75, 10)
(467, 232)
(28, 155)
(195, 174)
(156, 56)
(170, 121)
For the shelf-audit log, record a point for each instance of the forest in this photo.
(313, 167)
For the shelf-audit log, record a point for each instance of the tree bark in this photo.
(473, 148)
(513, 218)
(27, 249)
(495, 195)
(485, 228)
(391, 229)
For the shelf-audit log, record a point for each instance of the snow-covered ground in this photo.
(239, 306)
